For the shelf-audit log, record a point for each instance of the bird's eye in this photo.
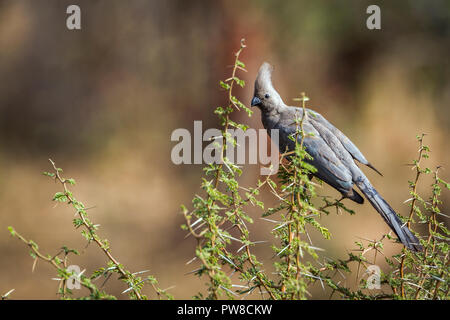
(267, 96)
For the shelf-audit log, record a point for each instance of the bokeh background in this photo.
(103, 101)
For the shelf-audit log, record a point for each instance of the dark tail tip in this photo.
(409, 239)
(405, 235)
(355, 196)
(374, 169)
(402, 231)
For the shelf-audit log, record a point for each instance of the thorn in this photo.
(8, 293)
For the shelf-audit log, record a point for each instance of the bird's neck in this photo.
(270, 115)
(272, 109)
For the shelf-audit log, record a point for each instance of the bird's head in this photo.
(265, 96)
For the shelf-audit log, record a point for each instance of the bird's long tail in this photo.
(385, 210)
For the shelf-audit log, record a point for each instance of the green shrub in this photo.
(219, 219)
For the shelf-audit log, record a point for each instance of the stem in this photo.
(92, 232)
(413, 203)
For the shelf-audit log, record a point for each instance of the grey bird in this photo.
(333, 153)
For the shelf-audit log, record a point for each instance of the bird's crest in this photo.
(264, 78)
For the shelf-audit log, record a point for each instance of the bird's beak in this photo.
(255, 101)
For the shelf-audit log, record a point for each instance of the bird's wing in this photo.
(348, 145)
(329, 168)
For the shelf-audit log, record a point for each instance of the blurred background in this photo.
(103, 101)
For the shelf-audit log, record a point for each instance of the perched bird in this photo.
(333, 153)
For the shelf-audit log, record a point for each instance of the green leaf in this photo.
(224, 85)
(48, 174)
(60, 196)
(12, 231)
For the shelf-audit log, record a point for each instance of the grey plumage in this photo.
(333, 153)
